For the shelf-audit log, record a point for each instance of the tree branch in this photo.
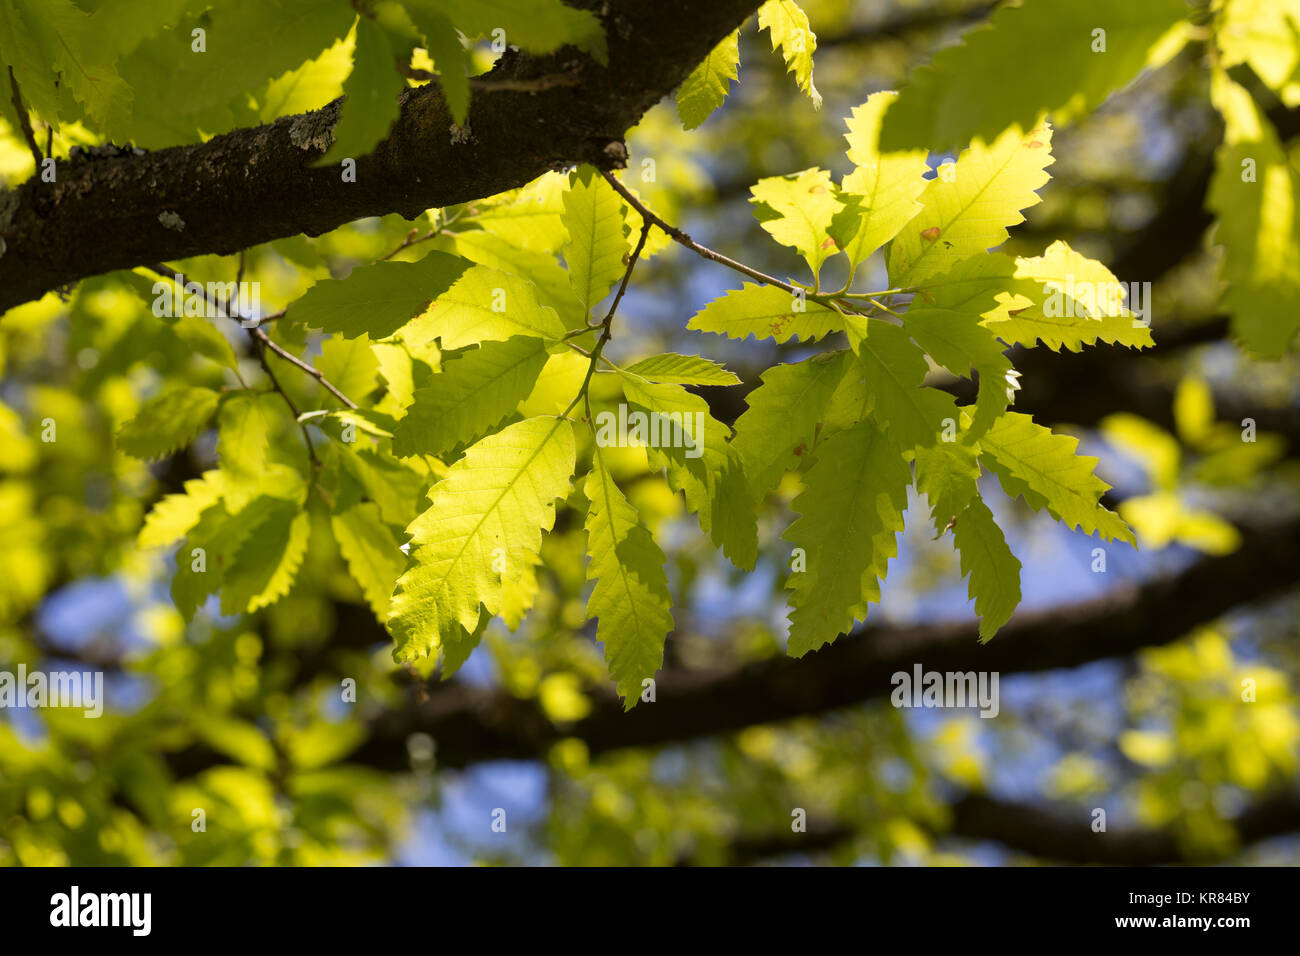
(255, 185)
(472, 724)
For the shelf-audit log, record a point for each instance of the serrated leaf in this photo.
(993, 569)
(167, 422)
(706, 88)
(266, 563)
(372, 551)
(378, 299)
(788, 27)
(710, 473)
(485, 305)
(370, 106)
(880, 194)
(767, 312)
(496, 500)
(947, 473)
(849, 513)
(780, 424)
(947, 323)
(968, 207)
(594, 254)
(1032, 461)
(1062, 57)
(630, 599)
(469, 396)
(174, 515)
(912, 414)
(672, 368)
(246, 423)
(797, 211)
(1253, 193)
(1064, 299)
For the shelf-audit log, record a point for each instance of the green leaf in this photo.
(377, 300)
(672, 368)
(247, 46)
(210, 547)
(469, 396)
(850, 510)
(174, 515)
(947, 473)
(710, 474)
(780, 424)
(371, 91)
(993, 569)
(880, 194)
(205, 339)
(493, 502)
(311, 86)
(946, 322)
(797, 211)
(266, 563)
(372, 551)
(539, 26)
(1253, 193)
(630, 598)
(788, 27)
(969, 206)
(706, 88)
(767, 312)
(913, 414)
(246, 423)
(1062, 57)
(450, 57)
(1032, 461)
(531, 217)
(349, 365)
(485, 305)
(167, 422)
(594, 254)
(51, 44)
(1064, 299)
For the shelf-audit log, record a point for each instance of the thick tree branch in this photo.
(254, 185)
(1041, 833)
(472, 724)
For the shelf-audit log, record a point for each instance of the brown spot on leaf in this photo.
(931, 234)
(829, 243)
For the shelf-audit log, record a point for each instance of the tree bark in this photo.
(251, 186)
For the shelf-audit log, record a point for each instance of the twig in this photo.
(678, 236)
(257, 335)
(607, 323)
(25, 121)
(648, 217)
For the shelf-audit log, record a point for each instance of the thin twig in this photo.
(648, 217)
(678, 236)
(607, 323)
(257, 334)
(25, 121)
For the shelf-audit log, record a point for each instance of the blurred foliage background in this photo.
(242, 715)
